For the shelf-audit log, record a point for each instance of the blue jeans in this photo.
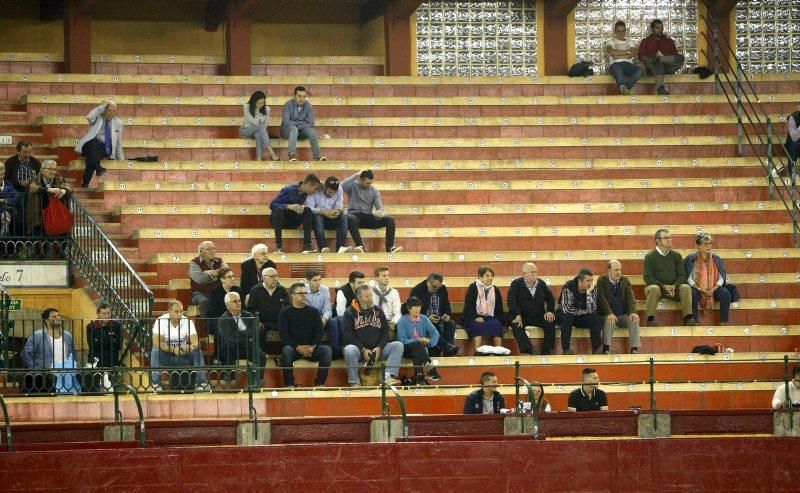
(293, 134)
(159, 358)
(722, 295)
(260, 134)
(321, 223)
(626, 73)
(321, 353)
(392, 352)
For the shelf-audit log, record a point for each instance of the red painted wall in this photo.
(743, 464)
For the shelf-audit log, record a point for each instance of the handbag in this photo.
(56, 218)
(735, 296)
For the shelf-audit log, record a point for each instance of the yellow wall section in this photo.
(571, 41)
(318, 39)
(155, 38)
(31, 36)
(540, 35)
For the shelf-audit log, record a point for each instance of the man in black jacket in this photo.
(531, 303)
(579, 309)
(104, 337)
(300, 327)
(436, 305)
(267, 300)
(236, 336)
(486, 400)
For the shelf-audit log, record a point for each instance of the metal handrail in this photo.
(118, 413)
(531, 398)
(653, 392)
(788, 404)
(385, 411)
(9, 441)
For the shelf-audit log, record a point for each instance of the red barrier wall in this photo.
(741, 464)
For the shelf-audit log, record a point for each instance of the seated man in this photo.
(50, 348)
(319, 297)
(616, 303)
(20, 170)
(665, 277)
(267, 300)
(288, 211)
(486, 400)
(237, 333)
(588, 397)
(102, 141)
(365, 210)
(780, 400)
(175, 344)
(436, 306)
(621, 53)
(297, 122)
(366, 336)
(531, 303)
(792, 140)
(300, 328)
(327, 206)
(705, 273)
(418, 334)
(46, 186)
(659, 55)
(104, 337)
(347, 293)
(204, 275)
(579, 308)
(10, 200)
(386, 297)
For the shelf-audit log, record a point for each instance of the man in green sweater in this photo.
(665, 277)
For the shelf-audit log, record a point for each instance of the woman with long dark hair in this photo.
(254, 124)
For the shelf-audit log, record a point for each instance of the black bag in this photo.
(735, 296)
(703, 72)
(146, 159)
(705, 349)
(581, 69)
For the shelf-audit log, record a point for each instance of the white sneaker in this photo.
(204, 387)
(325, 250)
(310, 250)
(358, 249)
(345, 249)
(396, 249)
(157, 387)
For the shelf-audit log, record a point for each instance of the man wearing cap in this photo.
(327, 205)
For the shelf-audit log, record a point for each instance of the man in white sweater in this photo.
(386, 297)
(779, 400)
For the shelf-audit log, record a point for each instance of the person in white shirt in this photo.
(386, 297)
(175, 343)
(779, 399)
(254, 124)
(621, 53)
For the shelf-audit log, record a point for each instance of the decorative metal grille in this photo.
(768, 35)
(594, 22)
(466, 38)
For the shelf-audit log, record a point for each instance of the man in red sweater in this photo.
(659, 55)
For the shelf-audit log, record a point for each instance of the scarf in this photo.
(706, 275)
(485, 302)
(381, 295)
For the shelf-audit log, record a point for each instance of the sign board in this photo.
(42, 274)
(6, 140)
(13, 305)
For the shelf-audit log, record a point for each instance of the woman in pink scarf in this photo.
(705, 273)
(483, 314)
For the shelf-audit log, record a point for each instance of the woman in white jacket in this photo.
(254, 124)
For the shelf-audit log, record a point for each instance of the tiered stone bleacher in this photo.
(476, 171)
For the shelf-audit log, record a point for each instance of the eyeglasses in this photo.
(301, 292)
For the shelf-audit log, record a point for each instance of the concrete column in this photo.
(378, 430)
(111, 433)
(246, 437)
(512, 425)
(786, 423)
(646, 428)
(78, 36)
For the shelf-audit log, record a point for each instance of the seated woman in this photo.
(418, 334)
(483, 309)
(47, 185)
(252, 267)
(216, 299)
(542, 404)
(705, 273)
(254, 124)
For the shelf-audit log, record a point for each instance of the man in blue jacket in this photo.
(287, 210)
(50, 348)
(297, 122)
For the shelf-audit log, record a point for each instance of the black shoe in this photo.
(651, 322)
(433, 375)
(452, 350)
(689, 321)
(101, 171)
(419, 379)
(597, 350)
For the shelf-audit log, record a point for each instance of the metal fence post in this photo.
(653, 392)
(739, 111)
(771, 172)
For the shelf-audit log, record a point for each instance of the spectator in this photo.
(266, 300)
(665, 277)
(486, 400)
(418, 334)
(46, 186)
(659, 55)
(542, 404)
(705, 273)
(204, 275)
(483, 314)
(621, 53)
(327, 206)
(300, 328)
(50, 348)
(531, 303)
(252, 267)
(347, 293)
(792, 141)
(104, 338)
(289, 212)
(319, 297)
(102, 141)
(237, 334)
(297, 122)
(436, 305)
(216, 298)
(386, 297)
(10, 200)
(22, 167)
(175, 344)
(588, 397)
(616, 303)
(254, 124)
(579, 308)
(365, 210)
(780, 400)
(366, 336)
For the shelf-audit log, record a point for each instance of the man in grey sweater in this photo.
(362, 199)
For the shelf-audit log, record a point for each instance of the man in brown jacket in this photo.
(616, 303)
